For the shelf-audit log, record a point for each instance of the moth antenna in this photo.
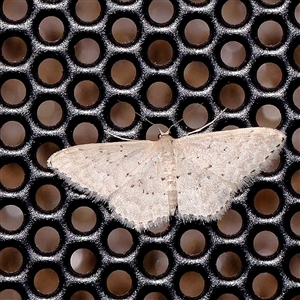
(118, 137)
(208, 124)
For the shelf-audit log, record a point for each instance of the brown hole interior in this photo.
(196, 74)
(296, 97)
(47, 239)
(155, 296)
(296, 55)
(88, 11)
(11, 217)
(120, 241)
(295, 223)
(119, 283)
(229, 264)
(265, 285)
(228, 297)
(192, 284)
(124, 31)
(48, 276)
(11, 260)
(83, 261)
(44, 151)
(84, 219)
(195, 116)
(159, 94)
(49, 113)
(12, 134)
(295, 181)
(232, 96)
(269, 75)
(296, 139)
(50, 71)
(14, 49)
(233, 54)
(12, 176)
(51, 29)
(270, 33)
(231, 223)
(266, 201)
(266, 243)
(192, 242)
(87, 51)
(160, 53)
(197, 32)
(123, 72)
(86, 93)
(85, 133)
(10, 294)
(82, 295)
(153, 133)
(48, 197)
(122, 114)
(234, 12)
(294, 266)
(15, 10)
(268, 116)
(156, 263)
(161, 11)
(13, 91)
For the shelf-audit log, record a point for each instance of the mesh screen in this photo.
(73, 70)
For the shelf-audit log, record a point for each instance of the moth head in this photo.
(162, 134)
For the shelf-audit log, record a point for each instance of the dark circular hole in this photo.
(160, 53)
(124, 31)
(13, 91)
(192, 284)
(87, 51)
(11, 217)
(14, 50)
(156, 263)
(12, 134)
(85, 133)
(46, 281)
(231, 223)
(83, 261)
(44, 152)
(120, 241)
(12, 176)
(86, 93)
(51, 29)
(47, 239)
(233, 54)
(49, 113)
(11, 260)
(119, 283)
(88, 11)
(84, 219)
(192, 242)
(122, 114)
(229, 264)
(197, 32)
(196, 74)
(123, 72)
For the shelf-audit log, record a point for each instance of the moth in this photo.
(143, 182)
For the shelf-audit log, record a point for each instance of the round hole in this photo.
(233, 54)
(232, 96)
(294, 266)
(50, 71)
(195, 116)
(197, 32)
(11, 217)
(124, 31)
(86, 93)
(12, 134)
(234, 12)
(270, 33)
(14, 50)
(192, 242)
(46, 281)
(159, 229)
(12, 176)
(120, 241)
(266, 202)
(230, 127)
(265, 285)
(13, 92)
(11, 260)
(15, 11)
(156, 263)
(192, 284)
(10, 294)
(49, 113)
(295, 223)
(84, 219)
(295, 181)
(229, 264)
(161, 12)
(160, 53)
(297, 13)
(87, 51)
(51, 29)
(196, 74)
(268, 116)
(83, 261)
(88, 11)
(265, 243)
(123, 72)
(48, 197)
(119, 283)
(155, 296)
(47, 239)
(231, 223)
(44, 152)
(296, 139)
(269, 75)
(82, 295)
(159, 94)
(85, 133)
(122, 114)
(296, 56)
(154, 131)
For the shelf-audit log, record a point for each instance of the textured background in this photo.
(71, 70)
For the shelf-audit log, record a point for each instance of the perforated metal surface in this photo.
(68, 63)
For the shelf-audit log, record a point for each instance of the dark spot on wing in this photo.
(163, 178)
(189, 173)
(177, 176)
(132, 186)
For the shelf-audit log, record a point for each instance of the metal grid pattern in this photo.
(64, 67)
